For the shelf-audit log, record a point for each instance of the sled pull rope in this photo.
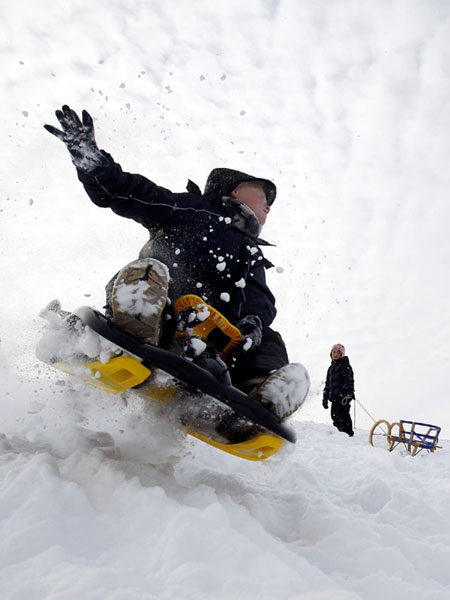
(363, 410)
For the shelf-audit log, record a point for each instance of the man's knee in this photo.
(270, 356)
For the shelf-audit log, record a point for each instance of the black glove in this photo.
(79, 137)
(252, 330)
(325, 403)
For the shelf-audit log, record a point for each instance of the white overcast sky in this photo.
(343, 104)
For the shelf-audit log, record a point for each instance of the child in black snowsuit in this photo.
(205, 244)
(339, 389)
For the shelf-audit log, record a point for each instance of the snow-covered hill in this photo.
(344, 105)
(102, 500)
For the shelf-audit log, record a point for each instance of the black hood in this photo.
(229, 179)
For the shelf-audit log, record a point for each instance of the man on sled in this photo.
(205, 244)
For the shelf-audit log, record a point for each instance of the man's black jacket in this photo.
(199, 238)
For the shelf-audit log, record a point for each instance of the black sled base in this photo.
(125, 372)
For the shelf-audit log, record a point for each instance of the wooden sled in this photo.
(413, 435)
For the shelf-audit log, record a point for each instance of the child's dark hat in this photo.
(229, 179)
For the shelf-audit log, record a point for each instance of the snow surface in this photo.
(344, 105)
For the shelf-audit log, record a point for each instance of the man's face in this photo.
(253, 195)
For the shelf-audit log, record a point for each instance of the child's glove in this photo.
(347, 399)
(325, 403)
(79, 138)
(251, 329)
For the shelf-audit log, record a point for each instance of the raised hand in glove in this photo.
(325, 403)
(79, 137)
(251, 329)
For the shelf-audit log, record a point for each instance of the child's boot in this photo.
(283, 391)
(139, 296)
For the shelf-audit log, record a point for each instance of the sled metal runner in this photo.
(123, 373)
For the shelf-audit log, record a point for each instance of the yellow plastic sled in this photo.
(123, 373)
